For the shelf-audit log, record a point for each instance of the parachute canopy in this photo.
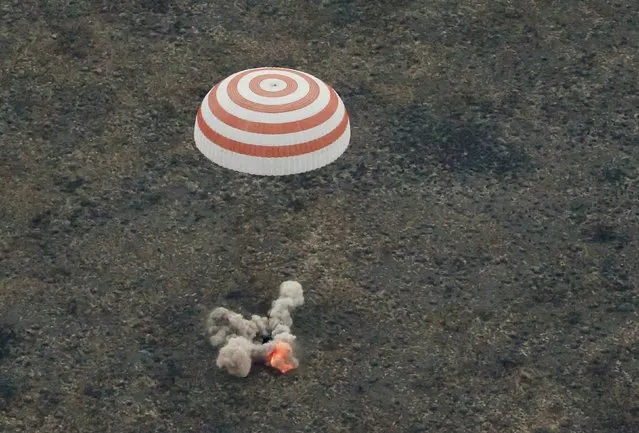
(272, 122)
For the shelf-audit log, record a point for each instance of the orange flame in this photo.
(281, 357)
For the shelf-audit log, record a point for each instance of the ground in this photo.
(469, 264)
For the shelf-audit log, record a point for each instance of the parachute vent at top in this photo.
(272, 122)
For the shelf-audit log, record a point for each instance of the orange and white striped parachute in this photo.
(272, 122)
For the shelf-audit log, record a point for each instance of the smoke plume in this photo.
(243, 341)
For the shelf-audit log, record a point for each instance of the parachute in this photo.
(272, 122)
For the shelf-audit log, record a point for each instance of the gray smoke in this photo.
(241, 340)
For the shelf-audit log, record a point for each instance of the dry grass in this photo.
(468, 263)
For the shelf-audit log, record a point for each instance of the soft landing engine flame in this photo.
(236, 336)
(281, 357)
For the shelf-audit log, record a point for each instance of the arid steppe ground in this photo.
(470, 264)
